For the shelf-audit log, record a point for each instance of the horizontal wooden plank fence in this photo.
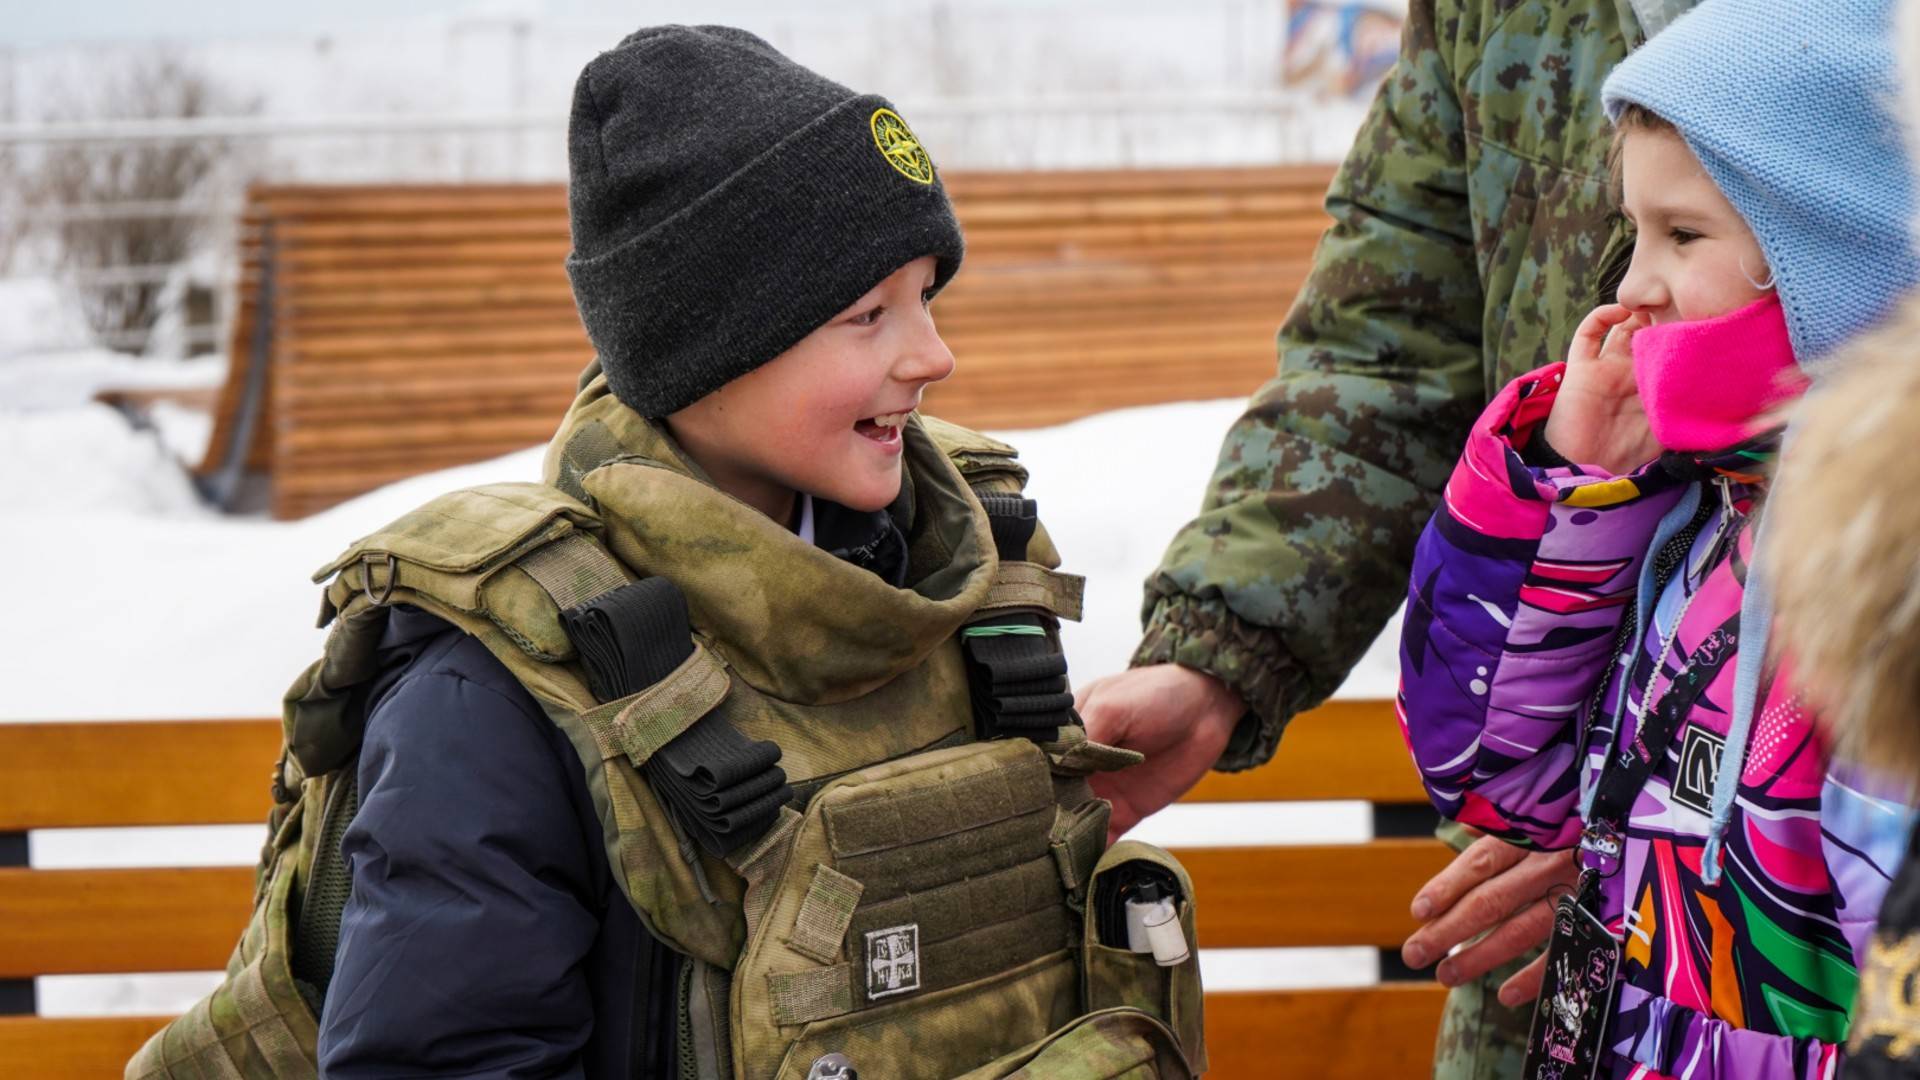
(115, 921)
(386, 331)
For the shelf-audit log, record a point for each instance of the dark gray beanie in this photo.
(726, 202)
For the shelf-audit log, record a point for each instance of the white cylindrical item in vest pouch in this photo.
(1154, 926)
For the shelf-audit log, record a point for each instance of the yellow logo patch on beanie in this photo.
(899, 147)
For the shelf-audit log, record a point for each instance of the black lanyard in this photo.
(1628, 767)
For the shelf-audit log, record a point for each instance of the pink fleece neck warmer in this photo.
(1705, 385)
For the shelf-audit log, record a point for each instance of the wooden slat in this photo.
(176, 772)
(1367, 1033)
(66, 922)
(1345, 749)
(1310, 895)
(72, 1048)
(70, 774)
(75, 922)
(1371, 1033)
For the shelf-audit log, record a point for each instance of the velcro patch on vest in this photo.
(893, 960)
(1699, 766)
(825, 914)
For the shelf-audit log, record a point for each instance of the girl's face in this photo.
(825, 416)
(1693, 257)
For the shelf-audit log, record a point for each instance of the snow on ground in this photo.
(131, 600)
(213, 616)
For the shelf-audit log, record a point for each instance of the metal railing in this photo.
(996, 132)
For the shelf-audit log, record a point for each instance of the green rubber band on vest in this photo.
(1003, 631)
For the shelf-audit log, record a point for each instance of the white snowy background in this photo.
(129, 599)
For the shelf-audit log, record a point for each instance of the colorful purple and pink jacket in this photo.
(1514, 651)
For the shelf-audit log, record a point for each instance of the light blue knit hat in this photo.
(1788, 104)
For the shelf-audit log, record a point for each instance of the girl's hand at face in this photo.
(1596, 418)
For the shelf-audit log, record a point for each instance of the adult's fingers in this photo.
(1483, 859)
(1486, 905)
(1509, 941)
(1525, 984)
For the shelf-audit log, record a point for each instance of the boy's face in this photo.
(826, 416)
(1693, 256)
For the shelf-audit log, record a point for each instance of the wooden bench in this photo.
(116, 921)
(386, 331)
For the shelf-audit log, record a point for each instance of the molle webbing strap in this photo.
(265, 1027)
(897, 842)
(802, 997)
(254, 1024)
(640, 724)
(206, 1056)
(1030, 585)
(1021, 583)
(573, 570)
(825, 913)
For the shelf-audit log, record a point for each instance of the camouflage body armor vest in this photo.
(932, 903)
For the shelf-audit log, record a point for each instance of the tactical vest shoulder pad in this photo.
(483, 551)
(985, 462)
(992, 467)
(499, 562)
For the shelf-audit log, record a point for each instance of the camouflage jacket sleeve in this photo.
(1301, 550)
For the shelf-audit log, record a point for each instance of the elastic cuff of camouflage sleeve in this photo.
(1206, 636)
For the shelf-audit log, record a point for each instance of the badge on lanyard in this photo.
(1576, 996)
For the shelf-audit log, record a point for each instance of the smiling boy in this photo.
(742, 745)
(755, 277)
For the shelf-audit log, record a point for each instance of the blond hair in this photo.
(1843, 537)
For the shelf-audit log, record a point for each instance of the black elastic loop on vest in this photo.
(1016, 677)
(1013, 520)
(723, 788)
(631, 637)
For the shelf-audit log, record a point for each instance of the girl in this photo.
(1583, 659)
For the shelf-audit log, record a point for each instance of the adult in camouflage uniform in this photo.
(1472, 228)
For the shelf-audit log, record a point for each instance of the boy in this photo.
(706, 757)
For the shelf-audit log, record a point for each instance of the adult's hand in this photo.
(1496, 889)
(1180, 718)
